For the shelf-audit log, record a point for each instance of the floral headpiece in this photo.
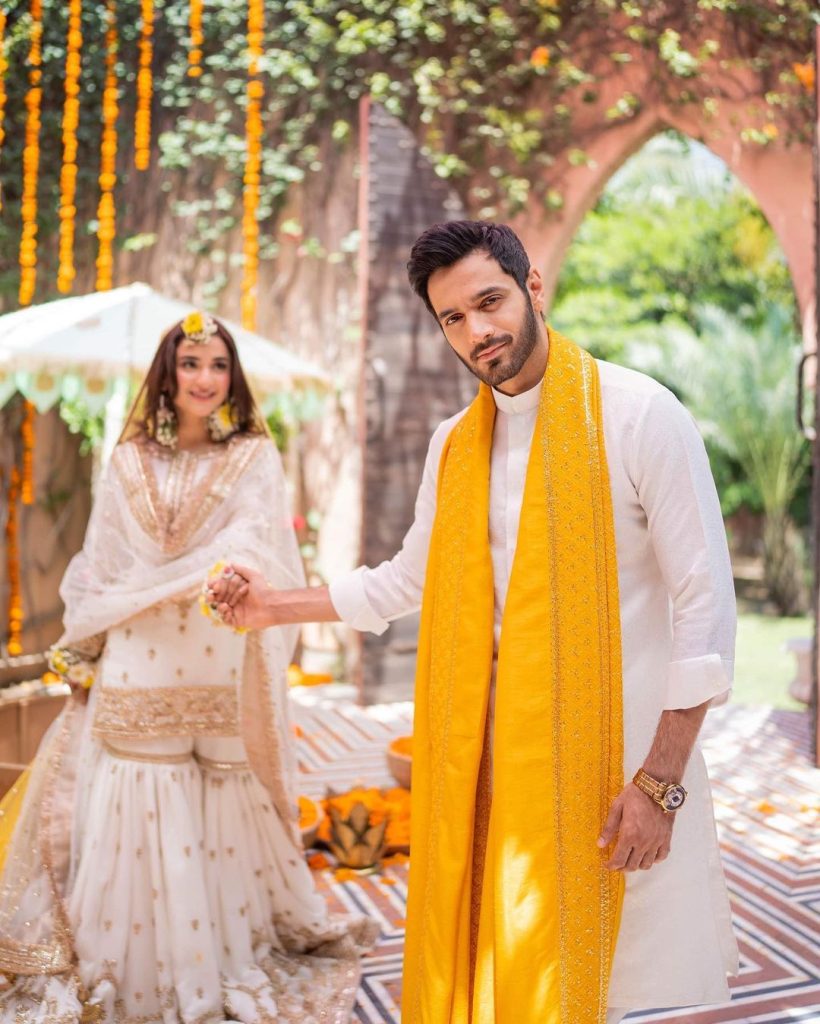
(199, 327)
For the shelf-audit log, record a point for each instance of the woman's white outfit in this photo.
(156, 872)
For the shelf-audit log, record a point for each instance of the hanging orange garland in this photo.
(4, 66)
(195, 27)
(68, 172)
(31, 159)
(253, 164)
(145, 85)
(15, 607)
(27, 433)
(106, 212)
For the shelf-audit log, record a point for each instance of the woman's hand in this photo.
(241, 597)
(79, 693)
(73, 669)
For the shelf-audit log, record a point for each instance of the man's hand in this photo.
(242, 598)
(245, 600)
(644, 832)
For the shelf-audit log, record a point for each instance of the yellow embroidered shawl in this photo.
(512, 917)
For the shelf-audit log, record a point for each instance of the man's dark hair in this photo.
(442, 245)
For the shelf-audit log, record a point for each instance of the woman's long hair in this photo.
(161, 382)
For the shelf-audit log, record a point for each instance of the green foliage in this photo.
(672, 232)
(677, 272)
(79, 420)
(764, 667)
(739, 384)
(279, 429)
(491, 117)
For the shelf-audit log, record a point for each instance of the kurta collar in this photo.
(513, 404)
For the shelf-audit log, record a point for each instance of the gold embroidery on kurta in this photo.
(174, 516)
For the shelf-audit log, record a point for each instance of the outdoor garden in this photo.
(269, 161)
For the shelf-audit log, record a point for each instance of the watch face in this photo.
(674, 797)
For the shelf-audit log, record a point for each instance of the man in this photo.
(577, 622)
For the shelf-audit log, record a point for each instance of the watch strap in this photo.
(653, 788)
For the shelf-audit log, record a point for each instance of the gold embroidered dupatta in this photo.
(141, 552)
(532, 941)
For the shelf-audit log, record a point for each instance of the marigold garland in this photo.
(27, 433)
(31, 159)
(253, 164)
(145, 86)
(106, 212)
(68, 172)
(4, 66)
(195, 27)
(15, 606)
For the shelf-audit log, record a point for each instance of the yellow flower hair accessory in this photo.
(208, 608)
(199, 327)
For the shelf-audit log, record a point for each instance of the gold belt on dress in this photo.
(154, 712)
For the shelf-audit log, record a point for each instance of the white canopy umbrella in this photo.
(85, 346)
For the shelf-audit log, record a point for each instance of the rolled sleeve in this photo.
(349, 597)
(696, 681)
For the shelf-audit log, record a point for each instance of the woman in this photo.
(156, 870)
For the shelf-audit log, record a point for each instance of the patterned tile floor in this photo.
(767, 799)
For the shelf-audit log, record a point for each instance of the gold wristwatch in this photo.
(668, 795)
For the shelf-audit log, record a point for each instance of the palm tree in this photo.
(739, 384)
(670, 167)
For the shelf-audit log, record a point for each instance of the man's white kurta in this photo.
(675, 944)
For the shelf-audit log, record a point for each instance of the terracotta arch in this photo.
(779, 175)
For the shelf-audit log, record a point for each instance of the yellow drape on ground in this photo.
(10, 812)
(541, 928)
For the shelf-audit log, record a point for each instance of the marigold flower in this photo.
(106, 211)
(193, 324)
(31, 164)
(27, 434)
(540, 57)
(15, 601)
(68, 173)
(345, 875)
(195, 28)
(253, 162)
(145, 85)
(805, 75)
(309, 812)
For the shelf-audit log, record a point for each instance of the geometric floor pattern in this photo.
(767, 805)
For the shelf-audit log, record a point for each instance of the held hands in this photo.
(643, 830)
(240, 596)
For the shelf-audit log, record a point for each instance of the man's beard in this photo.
(510, 360)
